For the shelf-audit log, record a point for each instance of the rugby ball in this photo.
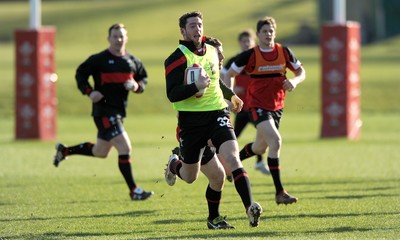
(192, 74)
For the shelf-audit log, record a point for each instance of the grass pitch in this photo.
(346, 189)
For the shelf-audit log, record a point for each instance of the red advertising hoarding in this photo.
(340, 88)
(35, 89)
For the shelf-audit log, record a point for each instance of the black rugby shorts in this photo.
(109, 127)
(258, 115)
(196, 128)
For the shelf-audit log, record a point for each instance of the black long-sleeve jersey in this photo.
(109, 73)
(175, 66)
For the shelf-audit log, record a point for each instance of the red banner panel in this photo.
(36, 102)
(340, 88)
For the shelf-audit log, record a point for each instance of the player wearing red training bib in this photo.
(246, 40)
(267, 64)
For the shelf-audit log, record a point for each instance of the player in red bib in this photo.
(247, 40)
(267, 64)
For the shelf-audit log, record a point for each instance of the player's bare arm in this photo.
(228, 78)
(291, 84)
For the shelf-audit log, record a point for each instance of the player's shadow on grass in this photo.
(320, 188)
(356, 196)
(335, 215)
(367, 192)
(62, 235)
(322, 216)
(326, 182)
(125, 214)
(172, 221)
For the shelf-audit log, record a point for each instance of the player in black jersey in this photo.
(204, 118)
(211, 167)
(115, 73)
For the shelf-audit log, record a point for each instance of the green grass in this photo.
(347, 189)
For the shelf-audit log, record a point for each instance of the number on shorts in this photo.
(224, 121)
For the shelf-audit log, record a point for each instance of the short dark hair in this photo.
(266, 21)
(213, 42)
(246, 33)
(115, 26)
(184, 17)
